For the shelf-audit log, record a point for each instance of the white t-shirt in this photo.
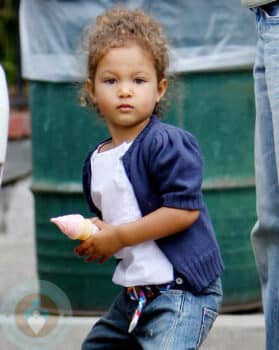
(113, 195)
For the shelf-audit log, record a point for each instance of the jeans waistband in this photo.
(150, 291)
(143, 294)
(179, 283)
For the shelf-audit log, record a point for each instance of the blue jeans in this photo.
(174, 320)
(265, 234)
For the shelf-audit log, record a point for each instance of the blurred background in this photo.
(15, 194)
(212, 53)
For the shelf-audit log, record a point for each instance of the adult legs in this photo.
(265, 234)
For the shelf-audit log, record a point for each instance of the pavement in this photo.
(18, 267)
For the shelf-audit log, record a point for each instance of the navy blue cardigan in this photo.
(164, 167)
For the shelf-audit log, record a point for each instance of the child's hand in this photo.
(102, 245)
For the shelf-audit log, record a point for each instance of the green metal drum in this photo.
(218, 107)
(62, 134)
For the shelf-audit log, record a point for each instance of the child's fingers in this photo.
(96, 221)
(79, 250)
(103, 259)
(84, 246)
(84, 252)
(92, 258)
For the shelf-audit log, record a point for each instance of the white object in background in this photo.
(4, 119)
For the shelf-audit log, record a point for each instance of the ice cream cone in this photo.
(75, 226)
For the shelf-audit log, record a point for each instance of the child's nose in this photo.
(125, 90)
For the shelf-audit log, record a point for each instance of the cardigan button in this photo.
(179, 280)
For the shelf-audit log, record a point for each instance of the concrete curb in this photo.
(230, 332)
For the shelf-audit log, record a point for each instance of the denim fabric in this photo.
(175, 319)
(265, 234)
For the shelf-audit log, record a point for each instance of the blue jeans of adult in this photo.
(174, 320)
(265, 234)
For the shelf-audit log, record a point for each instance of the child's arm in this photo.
(110, 239)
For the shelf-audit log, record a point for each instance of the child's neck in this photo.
(116, 142)
(120, 135)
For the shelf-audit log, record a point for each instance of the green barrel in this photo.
(62, 134)
(218, 108)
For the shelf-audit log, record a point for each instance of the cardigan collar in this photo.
(153, 120)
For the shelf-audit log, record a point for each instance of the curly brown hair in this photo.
(119, 27)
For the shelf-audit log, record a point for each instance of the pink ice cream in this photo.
(75, 226)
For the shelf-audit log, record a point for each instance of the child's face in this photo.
(126, 89)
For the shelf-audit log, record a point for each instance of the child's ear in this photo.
(90, 89)
(162, 88)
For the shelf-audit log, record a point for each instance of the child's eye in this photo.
(139, 80)
(110, 81)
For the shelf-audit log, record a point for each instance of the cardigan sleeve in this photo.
(175, 166)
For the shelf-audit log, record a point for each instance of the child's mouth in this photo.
(125, 108)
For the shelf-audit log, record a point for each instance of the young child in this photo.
(144, 184)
